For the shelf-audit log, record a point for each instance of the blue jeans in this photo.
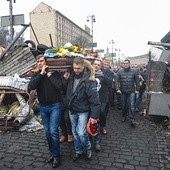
(81, 137)
(128, 105)
(50, 115)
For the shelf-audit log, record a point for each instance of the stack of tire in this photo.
(36, 50)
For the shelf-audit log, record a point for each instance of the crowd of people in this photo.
(71, 100)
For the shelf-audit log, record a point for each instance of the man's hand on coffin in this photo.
(49, 74)
(44, 70)
(66, 75)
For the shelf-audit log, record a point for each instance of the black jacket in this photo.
(110, 76)
(104, 82)
(48, 88)
(85, 98)
(127, 80)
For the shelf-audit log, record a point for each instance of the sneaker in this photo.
(97, 147)
(88, 154)
(104, 132)
(70, 138)
(76, 157)
(63, 138)
(56, 163)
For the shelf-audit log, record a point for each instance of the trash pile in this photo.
(14, 82)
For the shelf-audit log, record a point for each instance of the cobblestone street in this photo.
(146, 147)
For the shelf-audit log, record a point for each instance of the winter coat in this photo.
(103, 86)
(85, 98)
(127, 80)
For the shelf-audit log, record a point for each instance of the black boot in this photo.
(56, 163)
(76, 157)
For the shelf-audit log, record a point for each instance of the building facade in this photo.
(140, 60)
(52, 28)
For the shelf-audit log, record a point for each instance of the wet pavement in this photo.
(146, 147)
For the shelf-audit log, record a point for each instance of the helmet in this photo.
(92, 129)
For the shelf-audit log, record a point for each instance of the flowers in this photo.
(69, 50)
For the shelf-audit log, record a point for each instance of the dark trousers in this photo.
(65, 123)
(103, 114)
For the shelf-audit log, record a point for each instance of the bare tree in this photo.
(81, 41)
(20, 40)
(5, 40)
(4, 37)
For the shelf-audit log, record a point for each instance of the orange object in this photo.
(92, 129)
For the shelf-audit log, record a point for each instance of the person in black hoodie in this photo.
(48, 86)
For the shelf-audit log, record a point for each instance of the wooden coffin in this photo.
(60, 64)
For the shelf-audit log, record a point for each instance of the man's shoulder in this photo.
(35, 73)
(121, 70)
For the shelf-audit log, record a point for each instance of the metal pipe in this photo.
(149, 70)
(34, 34)
(159, 43)
(51, 40)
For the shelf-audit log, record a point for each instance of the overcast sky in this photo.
(130, 23)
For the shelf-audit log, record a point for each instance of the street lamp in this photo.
(112, 42)
(92, 18)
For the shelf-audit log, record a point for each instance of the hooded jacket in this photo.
(85, 98)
